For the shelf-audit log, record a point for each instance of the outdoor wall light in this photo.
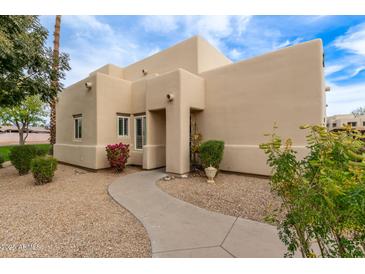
(88, 85)
(170, 97)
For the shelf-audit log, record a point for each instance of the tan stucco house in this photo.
(152, 105)
(336, 122)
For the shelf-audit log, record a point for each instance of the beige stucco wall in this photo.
(154, 152)
(244, 100)
(182, 55)
(195, 55)
(111, 70)
(236, 103)
(344, 119)
(188, 92)
(113, 96)
(209, 57)
(77, 99)
(139, 96)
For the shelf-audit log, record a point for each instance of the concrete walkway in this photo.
(180, 229)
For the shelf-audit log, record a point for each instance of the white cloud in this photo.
(235, 54)
(162, 24)
(353, 40)
(153, 51)
(357, 71)
(328, 70)
(212, 28)
(93, 43)
(86, 24)
(286, 43)
(344, 99)
(242, 23)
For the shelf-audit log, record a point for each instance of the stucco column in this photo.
(177, 139)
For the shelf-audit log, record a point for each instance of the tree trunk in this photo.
(21, 137)
(54, 83)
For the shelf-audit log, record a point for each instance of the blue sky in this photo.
(93, 41)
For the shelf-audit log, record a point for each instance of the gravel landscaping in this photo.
(232, 194)
(73, 216)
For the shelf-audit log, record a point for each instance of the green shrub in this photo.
(2, 159)
(323, 195)
(211, 153)
(50, 150)
(21, 156)
(43, 168)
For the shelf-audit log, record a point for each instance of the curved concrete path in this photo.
(180, 229)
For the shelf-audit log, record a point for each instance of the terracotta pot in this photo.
(210, 172)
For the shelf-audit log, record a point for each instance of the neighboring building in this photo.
(14, 129)
(336, 122)
(152, 104)
(9, 135)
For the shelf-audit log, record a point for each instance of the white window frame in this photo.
(144, 137)
(78, 118)
(119, 116)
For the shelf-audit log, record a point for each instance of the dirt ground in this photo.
(33, 138)
(232, 194)
(73, 216)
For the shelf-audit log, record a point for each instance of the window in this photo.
(363, 123)
(122, 125)
(328, 125)
(139, 132)
(334, 125)
(353, 124)
(77, 127)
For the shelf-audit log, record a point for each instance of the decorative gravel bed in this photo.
(233, 194)
(71, 217)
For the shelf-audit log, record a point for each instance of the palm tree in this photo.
(54, 82)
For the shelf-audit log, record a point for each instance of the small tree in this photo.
(30, 112)
(359, 111)
(26, 64)
(323, 195)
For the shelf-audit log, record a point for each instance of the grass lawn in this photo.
(5, 150)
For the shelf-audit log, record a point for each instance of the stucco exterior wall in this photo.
(154, 152)
(139, 96)
(236, 103)
(182, 55)
(336, 122)
(77, 99)
(113, 97)
(195, 55)
(188, 92)
(244, 100)
(209, 57)
(111, 70)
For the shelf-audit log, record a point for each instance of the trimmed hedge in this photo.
(211, 153)
(21, 156)
(2, 159)
(43, 168)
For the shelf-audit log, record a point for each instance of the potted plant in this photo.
(211, 154)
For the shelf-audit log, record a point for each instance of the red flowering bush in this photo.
(117, 155)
